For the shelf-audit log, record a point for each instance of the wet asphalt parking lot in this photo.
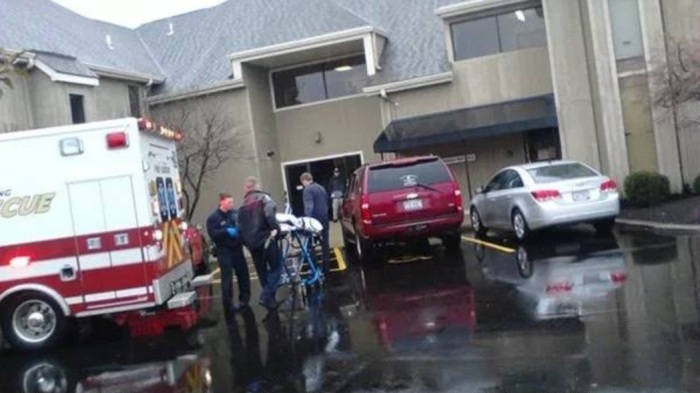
(569, 311)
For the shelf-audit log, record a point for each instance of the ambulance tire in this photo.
(40, 304)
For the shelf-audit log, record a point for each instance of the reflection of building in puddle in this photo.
(559, 280)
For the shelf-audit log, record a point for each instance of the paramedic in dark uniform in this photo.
(316, 206)
(221, 226)
(258, 226)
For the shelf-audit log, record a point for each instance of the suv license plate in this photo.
(413, 204)
(581, 196)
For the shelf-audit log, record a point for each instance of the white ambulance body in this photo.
(90, 223)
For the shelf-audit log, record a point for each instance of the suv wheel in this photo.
(452, 241)
(522, 231)
(363, 248)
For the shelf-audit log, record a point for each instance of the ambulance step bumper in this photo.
(202, 280)
(182, 300)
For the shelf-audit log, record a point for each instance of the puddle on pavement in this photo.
(568, 312)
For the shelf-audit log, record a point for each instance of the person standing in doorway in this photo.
(316, 206)
(337, 189)
(221, 226)
(258, 226)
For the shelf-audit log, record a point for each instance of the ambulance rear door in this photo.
(108, 242)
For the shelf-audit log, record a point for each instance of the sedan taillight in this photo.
(546, 195)
(608, 186)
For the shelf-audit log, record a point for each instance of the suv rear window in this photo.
(393, 177)
(553, 173)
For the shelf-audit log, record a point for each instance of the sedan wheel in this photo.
(477, 225)
(520, 225)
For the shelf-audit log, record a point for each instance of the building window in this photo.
(77, 108)
(627, 33)
(504, 32)
(135, 101)
(318, 82)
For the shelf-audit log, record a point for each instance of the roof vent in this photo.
(171, 30)
(108, 40)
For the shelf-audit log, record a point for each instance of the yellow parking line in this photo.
(507, 250)
(341, 261)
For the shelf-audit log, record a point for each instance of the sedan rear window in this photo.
(425, 173)
(554, 173)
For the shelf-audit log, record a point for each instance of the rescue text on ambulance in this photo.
(26, 205)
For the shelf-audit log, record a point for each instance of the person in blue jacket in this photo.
(316, 206)
(221, 226)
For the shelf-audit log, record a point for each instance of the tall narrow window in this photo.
(77, 108)
(627, 33)
(135, 101)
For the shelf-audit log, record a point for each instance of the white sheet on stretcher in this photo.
(290, 223)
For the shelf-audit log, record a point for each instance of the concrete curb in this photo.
(658, 225)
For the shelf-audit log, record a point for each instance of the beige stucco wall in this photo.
(346, 126)
(570, 77)
(51, 104)
(111, 99)
(639, 130)
(50, 101)
(265, 125)
(605, 92)
(232, 109)
(681, 23)
(15, 105)
(484, 80)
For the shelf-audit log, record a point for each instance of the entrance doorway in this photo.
(322, 171)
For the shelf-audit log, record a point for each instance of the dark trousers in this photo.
(269, 268)
(231, 259)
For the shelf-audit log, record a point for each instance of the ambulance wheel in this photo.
(32, 320)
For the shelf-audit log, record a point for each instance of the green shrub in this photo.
(696, 185)
(647, 188)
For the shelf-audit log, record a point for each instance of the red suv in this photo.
(401, 200)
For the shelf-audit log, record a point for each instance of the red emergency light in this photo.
(147, 125)
(117, 140)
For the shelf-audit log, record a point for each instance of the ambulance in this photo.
(92, 224)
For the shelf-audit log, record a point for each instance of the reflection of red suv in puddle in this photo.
(399, 200)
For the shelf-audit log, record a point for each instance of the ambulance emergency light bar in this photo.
(147, 125)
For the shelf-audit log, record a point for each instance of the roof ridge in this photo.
(352, 12)
(150, 53)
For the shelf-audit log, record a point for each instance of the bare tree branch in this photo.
(211, 141)
(8, 67)
(679, 82)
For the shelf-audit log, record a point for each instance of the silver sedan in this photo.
(529, 197)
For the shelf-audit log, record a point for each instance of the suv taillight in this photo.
(366, 214)
(458, 199)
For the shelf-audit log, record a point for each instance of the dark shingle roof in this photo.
(416, 39)
(64, 64)
(46, 26)
(195, 54)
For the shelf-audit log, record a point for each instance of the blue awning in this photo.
(468, 123)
